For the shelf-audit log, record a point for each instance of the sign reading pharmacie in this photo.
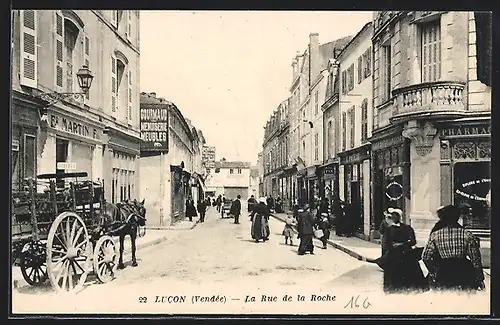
(466, 130)
(154, 128)
(74, 126)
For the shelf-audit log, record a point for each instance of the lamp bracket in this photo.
(55, 97)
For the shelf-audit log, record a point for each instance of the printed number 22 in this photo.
(143, 300)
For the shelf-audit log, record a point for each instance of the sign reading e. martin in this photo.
(154, 128)
(74, 126)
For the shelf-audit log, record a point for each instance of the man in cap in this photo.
(306, 231)
(452, 248)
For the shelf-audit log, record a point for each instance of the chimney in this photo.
(313, 56)
(294, 67)
(152, 94)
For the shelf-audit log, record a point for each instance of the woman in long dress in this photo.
(260, 221)
(402, 270)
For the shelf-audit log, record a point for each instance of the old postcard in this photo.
(250, 162)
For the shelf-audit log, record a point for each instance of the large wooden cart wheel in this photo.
(105, 259)
(69, 252)
(33, 263)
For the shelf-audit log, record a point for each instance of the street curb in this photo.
(344, 249)
(156, 241)
(171, 227)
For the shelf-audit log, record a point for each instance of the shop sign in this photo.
(354, 158)
(154, 128)
(74, 126)
(66, 165)
(467, 185)
(389, 142)
(15, 145)
(466, 130)
(394, 191)
(330, 170)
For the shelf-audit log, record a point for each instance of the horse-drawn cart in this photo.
(57, 233)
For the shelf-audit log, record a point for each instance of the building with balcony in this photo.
(432, 114)
(355, 112)
(276, 154)
(96, 132)
(171, 160)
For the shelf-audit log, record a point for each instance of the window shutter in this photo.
(128, 32)
(129, 97)
(29, 69)
(369, 62)
(86, 56)
(114, 84)
(59, 53)
(360, 69)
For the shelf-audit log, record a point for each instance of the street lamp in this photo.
(84, 76)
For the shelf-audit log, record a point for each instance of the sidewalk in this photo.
(355, 247)
(156, 235)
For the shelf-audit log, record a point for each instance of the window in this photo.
(239, 170)
(386, 71)
(217, 170)
(29, 49)
(431, 51)
(208, 170)
(70, 38)
(231, 171)
(367, 60)
(364, 120)
(122, 95)
(316, 100)
(344, 131)
(344, 82)
(350, 77)
(316, 147)
(360, 69)
(329, 139)
(29, 156)
(352, 120)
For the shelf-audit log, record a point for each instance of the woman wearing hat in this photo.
(402, 271)
(260, 221)
(323, 224)
(452, 248)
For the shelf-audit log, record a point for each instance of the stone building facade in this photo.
(98, 132)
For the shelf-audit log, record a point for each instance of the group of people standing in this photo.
(451, 255)
(200, 208)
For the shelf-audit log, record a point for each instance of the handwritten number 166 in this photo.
(353, 303)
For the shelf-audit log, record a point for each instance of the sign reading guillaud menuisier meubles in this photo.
(154, 128)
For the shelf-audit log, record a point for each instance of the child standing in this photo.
(288, 231)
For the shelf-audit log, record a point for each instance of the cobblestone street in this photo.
(218, 257)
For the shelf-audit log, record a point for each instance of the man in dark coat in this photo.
(202, 209)
(306, 231)
(236, 209)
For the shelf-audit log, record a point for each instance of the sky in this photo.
(228, 70)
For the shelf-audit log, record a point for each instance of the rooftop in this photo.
(232, 164)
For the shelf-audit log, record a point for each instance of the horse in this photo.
(128, 216)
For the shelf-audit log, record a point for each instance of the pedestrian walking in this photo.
(402, 270)
(250, 203)
(323, 223)
(236, 209)
(288, 231)
(202, 209)
(190, 209)
(260, 221)
(340, 220)
(305, 227)
(278, 207)
(452, 254)
(384, 225)
(218, 202)
(270, 203)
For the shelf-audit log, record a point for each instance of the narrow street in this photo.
(218, 257)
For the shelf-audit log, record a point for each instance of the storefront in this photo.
(329, 186)
(355, 176)
(391, 175)
(70, 143)
(465, 160)
(177, 205)
(121, 165)
(289, 187)
(25, 119)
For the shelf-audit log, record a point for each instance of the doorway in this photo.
(62, 146)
